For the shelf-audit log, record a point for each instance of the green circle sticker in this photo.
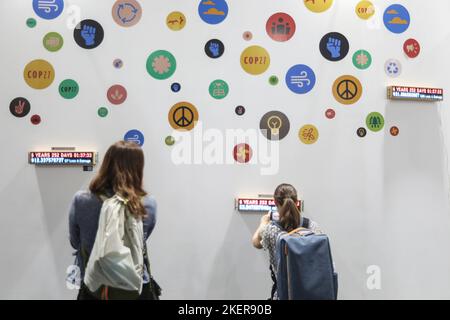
(273, 80)
(53, 41)
(375, 121)
(161, 65)
(362, 59)
(218, 89)
(68, 89)
(31, 22)
(102, 112)
(170, 141)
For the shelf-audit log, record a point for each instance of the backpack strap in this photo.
(305, 223)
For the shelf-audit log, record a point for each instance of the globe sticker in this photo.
(255, 60)
(394, 131)
(183, 116)
(334, 46)
(375, 121)
(102, 112)
(218, 89)
(318, 5)
(330, 114)
(175, 87)
(213, 11)
(362, 59)
(53, 41)
(396, 18)
(240, 110)
(20, 107)
(135, 136)
(274, 125)
(214, 48)
(31, 22)
(118, 63)
(117, 94)
(300, 79)
(281, 27)
(36, 119)
(176, 21)
(48, 9)
(39, 74)
(88, 34)
(308, 134)
(347, 90)
(393, 68)
(68, 89)
(365, 10)
(170, 141)
(247, 36)
(161, 65)
(127, 13)
(361, 132)
(411, 47)
(242, 153)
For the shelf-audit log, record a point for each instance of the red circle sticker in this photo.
(395, 131)
(411, 48)
(330, 114)
(280, 27)
(242, 153)
(117, 94)
(36, 119)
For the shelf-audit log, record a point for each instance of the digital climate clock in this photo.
(260, 205)
(64, 157)
(415, 94)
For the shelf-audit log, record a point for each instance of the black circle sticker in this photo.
(214, 48)
(361, 132)
(240, 110)
(20, 107)
(334, 46)
(88, 34)
(275, 125)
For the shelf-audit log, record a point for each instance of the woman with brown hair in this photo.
(289, 219)
(121, 173)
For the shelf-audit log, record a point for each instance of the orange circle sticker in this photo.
(318, 5)
(176, 21)
(255, 60)
(365, 10)
(183, 116)
(347, 90)
(39, 74)
(308, 134)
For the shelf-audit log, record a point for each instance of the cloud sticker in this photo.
(208, 3)
(398, 20)
(214, 12)
(392, 12)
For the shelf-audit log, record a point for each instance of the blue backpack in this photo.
(305, 266)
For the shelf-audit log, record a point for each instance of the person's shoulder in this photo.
(85, 196)
(150, 203)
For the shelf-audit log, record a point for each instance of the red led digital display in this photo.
(259, 205)
(63, 158)
(415, 93)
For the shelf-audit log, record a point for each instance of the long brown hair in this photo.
(122, 172)
(286, 197)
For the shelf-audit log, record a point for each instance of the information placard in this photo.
(415, 94)
(72, 158)
(260, 205)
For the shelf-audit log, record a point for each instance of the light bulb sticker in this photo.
(255, 60)
(365, 10)
(161, 65)
(308, 134)
(242, 153)
(275, 125)
(280, 27)
(176, 21)
(300, 79)
(48, 9)
(218, 89)
(375, 121)
(127, 13)
(20, 107)
(396, 18)
(39, 74)
(135, 136)
(213, 11)
(68, 89)
(53, 41)
(362, 59)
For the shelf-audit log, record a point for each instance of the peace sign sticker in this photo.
(183, 116)
(347, 90)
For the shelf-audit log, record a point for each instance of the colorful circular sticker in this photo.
(31, 22)
(118, 63)
(183, 116)
(393, 68)
(117, 94)
(334, 46)
(53, 41)
(273, 80)
(330, 114)
(365, 10)
(88, 34)
(375, 121)
(161, 64)
(362, 59)
(35, 119)
(39, 74)
(175, 87)
(176, 21)
(102, 112)
(68, 89)
(218, 89)
(255, 60)
(20, 107)
(275, 125)
(126, 13)
(347, 90)
(240, 110)
(170, 141)
(411, 47)
(135, 136)
(48, 9)
(213, 11)
(300, 79)
(395, 131)
(280, 27)
(214, 48)
(242, 153)
(396, 18)
(308, 134)
(247, 35)
(361, 132)
(318, 5)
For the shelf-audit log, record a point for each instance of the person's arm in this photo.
(256, 240)
(151, 208)
(74, 229)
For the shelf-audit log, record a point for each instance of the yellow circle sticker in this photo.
(39, 74)
(347, 90)
(308, 134)
(318, 5)
(176, 21)
(255, 60)
(365, 10)
(183, 116)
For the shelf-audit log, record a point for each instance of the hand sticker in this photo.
(334, 47)
(88, 34)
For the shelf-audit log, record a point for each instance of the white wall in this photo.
(384, 201)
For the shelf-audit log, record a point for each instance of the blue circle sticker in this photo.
(300, 79)
(48, 9)
(396, 18)
(134, 136)
(213, 11)
(175, 87)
